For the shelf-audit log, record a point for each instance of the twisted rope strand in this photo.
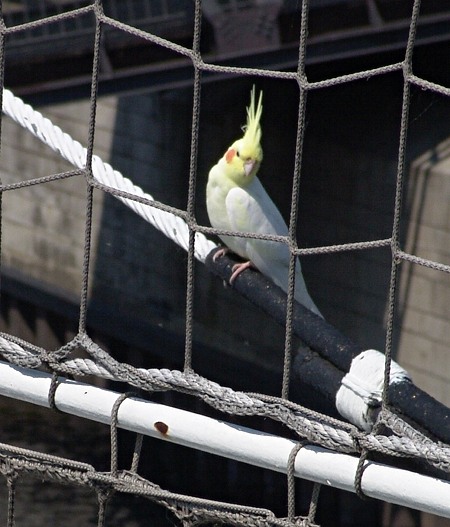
(316, 428)
(173, 226)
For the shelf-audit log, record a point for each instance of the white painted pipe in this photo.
(232, 441)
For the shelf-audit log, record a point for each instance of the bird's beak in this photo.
(248, 166)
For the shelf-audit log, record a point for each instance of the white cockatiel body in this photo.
(236, 201)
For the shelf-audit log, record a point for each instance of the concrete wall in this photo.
(43, 225)
(424, 293)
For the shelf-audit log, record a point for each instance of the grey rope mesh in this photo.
(295, 197)
(114, 438)
(314, 503)
(52, 391)
(291, 481)
(2, 82)
(191, 190)
(315, 428)
(113, 431)
(102, 498)
(359, 473)
(89, 156)
(11, 483)
(395, 244)
(309, 520)
(105, 494)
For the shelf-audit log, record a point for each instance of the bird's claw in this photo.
(238, 269)
(221, 252)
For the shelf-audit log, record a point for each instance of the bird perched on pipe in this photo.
(236, 201)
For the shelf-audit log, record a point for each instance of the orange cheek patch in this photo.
(230, 155)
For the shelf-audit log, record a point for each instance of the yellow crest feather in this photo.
(252, 135)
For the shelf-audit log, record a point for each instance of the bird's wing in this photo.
(252, 210)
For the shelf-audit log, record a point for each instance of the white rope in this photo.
(359, 397)
(41, 127)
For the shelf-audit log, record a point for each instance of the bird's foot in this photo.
(238, 268)
(221, 252)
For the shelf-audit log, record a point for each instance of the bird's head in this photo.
(243, 158)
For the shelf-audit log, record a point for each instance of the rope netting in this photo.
(387, 434)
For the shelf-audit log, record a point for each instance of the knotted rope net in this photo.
(401, 441)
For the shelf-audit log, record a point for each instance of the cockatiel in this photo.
(236, 201)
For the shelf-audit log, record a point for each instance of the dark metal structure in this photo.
(44, 61)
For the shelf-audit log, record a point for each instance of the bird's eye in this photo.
(237, 153)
